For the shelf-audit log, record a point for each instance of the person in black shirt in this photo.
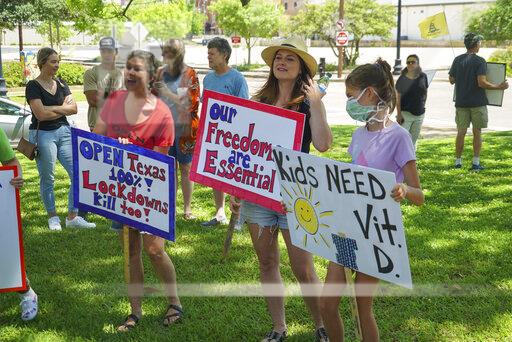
(411, 88)
(51, 102)
(468, 73)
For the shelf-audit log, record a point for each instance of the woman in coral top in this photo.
(136, 116)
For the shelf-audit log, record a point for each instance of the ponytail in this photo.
(377, 75)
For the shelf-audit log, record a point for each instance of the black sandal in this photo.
(126, 326)
(321, 335)
(274, 336)
(178, 313)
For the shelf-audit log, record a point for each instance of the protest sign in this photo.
(497, 74)
(344, 213)
(12, 262)
(233, 152)
(125, 183)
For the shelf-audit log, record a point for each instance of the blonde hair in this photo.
(177, 48)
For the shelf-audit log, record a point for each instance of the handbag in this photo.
(27, 148)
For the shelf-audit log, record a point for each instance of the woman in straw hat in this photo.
(289, 85)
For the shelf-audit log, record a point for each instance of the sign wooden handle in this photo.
(126, 253)
(229, 235)
(353, 302)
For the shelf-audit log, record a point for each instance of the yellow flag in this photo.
(434, 26)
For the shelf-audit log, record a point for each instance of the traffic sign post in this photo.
(342, 38)
(235, 41)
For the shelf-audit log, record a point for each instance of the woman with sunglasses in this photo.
(411, 87)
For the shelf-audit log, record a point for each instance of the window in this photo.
(8, 109)
(295, 4)
(285, 6)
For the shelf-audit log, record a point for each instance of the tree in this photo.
(164, 20)
(362, 17)
(495, 23)
(257, 19)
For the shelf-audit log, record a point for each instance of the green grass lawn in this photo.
(78, 96)
(459, 246)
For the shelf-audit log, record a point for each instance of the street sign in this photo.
(342, 38)
(340, 24)
(236, 40)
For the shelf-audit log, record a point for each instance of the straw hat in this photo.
(295, 45)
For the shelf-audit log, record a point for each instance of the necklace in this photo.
(46, 83)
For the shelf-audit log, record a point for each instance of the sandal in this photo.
(274, 336)
(188, 216)
(321, 335)
(178, 314)
(129, 323)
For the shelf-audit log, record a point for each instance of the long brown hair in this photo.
(377, 75)
(269, 93)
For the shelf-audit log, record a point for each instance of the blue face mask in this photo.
(359, 112)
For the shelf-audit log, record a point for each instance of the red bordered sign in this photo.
(233, 152)
(12, 261)
(342, 38)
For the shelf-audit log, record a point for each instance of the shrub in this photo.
(13, 74)
(72, 73)
(248, 67)
(503, 56)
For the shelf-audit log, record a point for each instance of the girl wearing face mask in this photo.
(381, 144)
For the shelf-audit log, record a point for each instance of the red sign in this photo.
(233, 152)
(342, 38)
(236, 40)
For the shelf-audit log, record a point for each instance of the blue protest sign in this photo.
(125, 183)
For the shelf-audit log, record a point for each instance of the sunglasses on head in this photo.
(411, 62)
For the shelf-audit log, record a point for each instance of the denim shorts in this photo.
(263, 217)
(174, 150)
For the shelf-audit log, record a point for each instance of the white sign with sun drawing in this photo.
(344, 213)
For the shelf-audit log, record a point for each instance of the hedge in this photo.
(72, 73)
(503, 56)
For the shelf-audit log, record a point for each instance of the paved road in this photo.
(439, 119)
(431, 57)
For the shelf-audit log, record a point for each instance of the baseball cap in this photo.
(471, 39)
(108, 43)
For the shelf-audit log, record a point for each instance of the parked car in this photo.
(14, 120)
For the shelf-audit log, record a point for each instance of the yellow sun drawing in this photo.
(306, 213)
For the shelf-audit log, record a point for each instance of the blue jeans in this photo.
(53, 145)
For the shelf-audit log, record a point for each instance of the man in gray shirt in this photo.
(468, 73)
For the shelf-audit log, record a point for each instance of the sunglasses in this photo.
(411, 62)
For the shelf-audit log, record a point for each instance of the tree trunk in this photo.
(57, 39)
(50, 33)
(248, 44)
(20, 36)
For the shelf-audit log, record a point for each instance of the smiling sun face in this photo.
(306, 213)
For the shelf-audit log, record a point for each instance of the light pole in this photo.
(3, 88)
(398, 63)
